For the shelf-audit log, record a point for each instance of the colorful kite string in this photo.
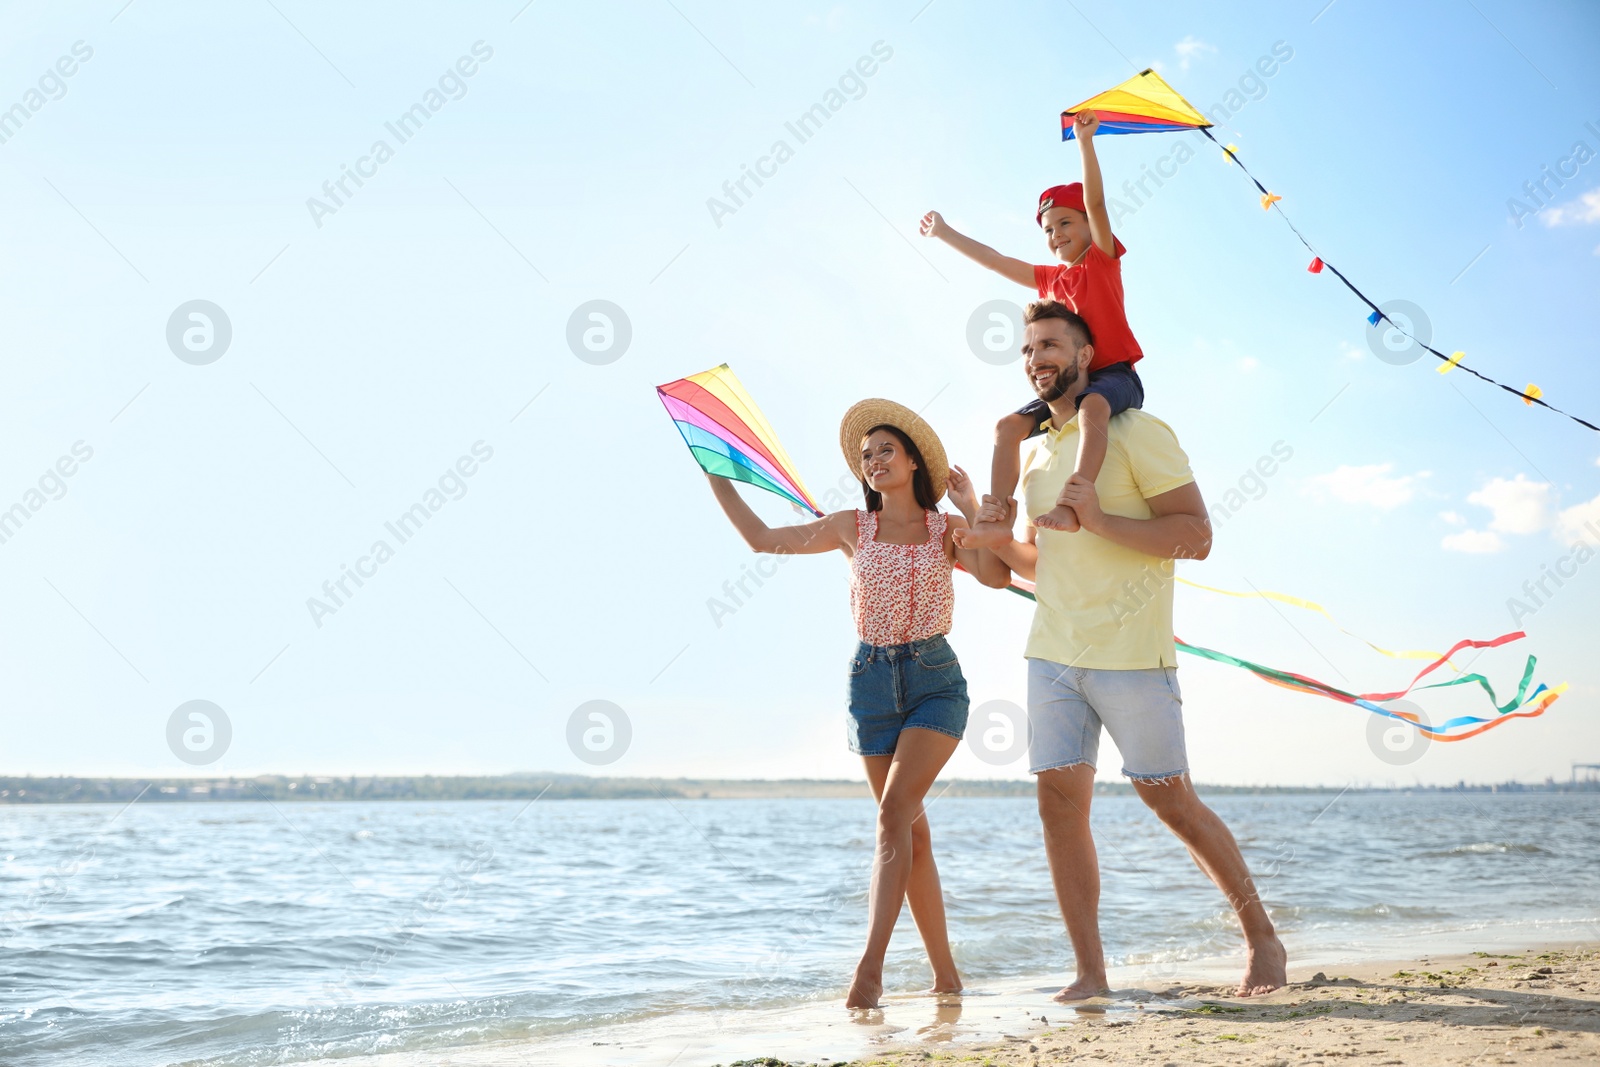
(1145, 103)
(1309, 605)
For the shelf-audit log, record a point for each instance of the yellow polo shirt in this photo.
(1102, 605)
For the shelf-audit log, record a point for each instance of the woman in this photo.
(908, 699)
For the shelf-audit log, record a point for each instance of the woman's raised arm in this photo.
(836, 531)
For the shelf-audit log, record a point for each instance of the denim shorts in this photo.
(1119, 384)
(898, 687)
(1142, 709)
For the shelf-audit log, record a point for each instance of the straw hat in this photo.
(866, 414)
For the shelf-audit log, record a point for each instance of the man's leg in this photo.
(1063, 743)
(1216, 852)
(1143, 710)
(1064, 797)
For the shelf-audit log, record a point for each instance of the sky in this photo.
(423, 336)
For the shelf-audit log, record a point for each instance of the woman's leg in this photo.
(924, 893)
(918, 758)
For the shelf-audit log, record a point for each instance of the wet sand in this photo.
(1533, 1007)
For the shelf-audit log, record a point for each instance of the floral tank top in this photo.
(900, 593)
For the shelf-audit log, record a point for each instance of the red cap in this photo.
(1066, 196)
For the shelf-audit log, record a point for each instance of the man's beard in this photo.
(1062, 385)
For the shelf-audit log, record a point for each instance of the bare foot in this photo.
(1266, 970)
(950, 983)
(865, 989)
(1090, 985)
(983, 535)
(1060, 518)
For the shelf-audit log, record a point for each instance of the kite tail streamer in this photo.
(1535, 705)
(1529, 395)
(1524, 705)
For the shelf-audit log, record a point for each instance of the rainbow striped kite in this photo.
(1142, 104)
(729, 437)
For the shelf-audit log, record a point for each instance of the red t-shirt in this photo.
(1093, 288)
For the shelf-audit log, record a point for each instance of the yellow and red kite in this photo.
(1145, 103)
(1142, 104)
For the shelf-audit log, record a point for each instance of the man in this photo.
(1101, 647)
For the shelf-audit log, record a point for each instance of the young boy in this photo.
(1089, 280)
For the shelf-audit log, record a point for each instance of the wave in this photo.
(1519, 848)
(94, 915)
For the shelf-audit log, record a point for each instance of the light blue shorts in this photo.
(1143, 709)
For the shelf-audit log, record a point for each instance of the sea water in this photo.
(256, 933)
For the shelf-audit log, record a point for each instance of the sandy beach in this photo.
(1507, 1006)
(1534, 1007)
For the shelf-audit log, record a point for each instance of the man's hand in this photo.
(1085, 124)
(1080, 495)
(959, 489)
(933, 225)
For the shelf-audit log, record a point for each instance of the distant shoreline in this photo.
(273, 787)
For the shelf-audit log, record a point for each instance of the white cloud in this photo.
(1249, 363)
(1350, 351)
(1191, 48)
(1454, 518)
(1580, 521)
(1476, 541)
(1519, 506)
(1367, 485)
(1583, 210)
(832, 21)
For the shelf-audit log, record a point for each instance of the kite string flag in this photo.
(1530, 395)
(729, 437)
(1145, 103)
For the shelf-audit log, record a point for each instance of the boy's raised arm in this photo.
(933, 225)
(1084, 126)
